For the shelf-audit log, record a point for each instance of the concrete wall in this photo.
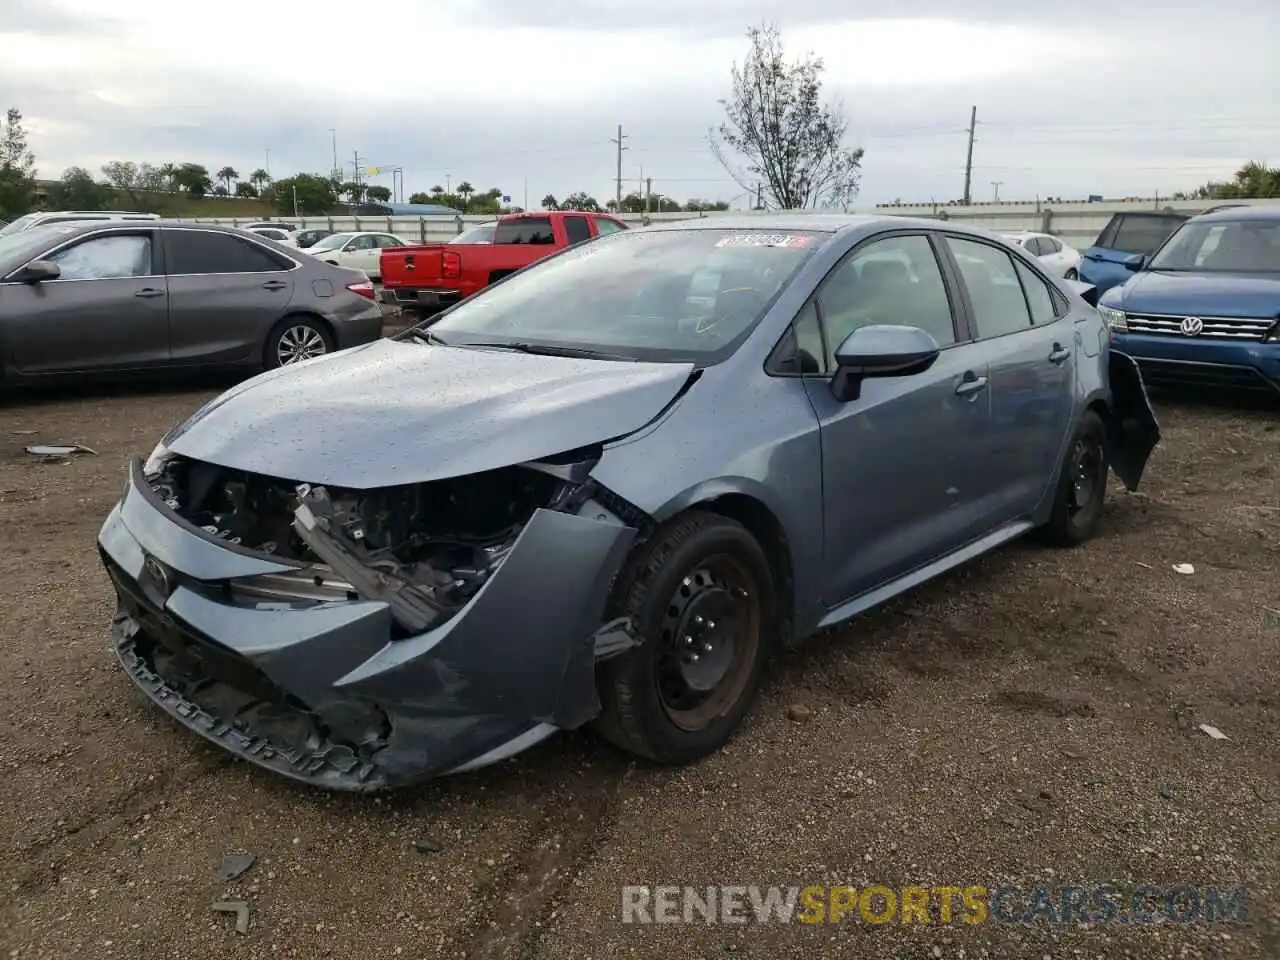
(1077, 223)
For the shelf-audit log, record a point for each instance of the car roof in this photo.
(832, 223)
(1263, 212)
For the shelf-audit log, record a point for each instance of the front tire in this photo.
(294, 339)
(1082, 486)
(1073, 274)
(701, 596)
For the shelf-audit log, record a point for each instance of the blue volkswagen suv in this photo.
(1205, 308)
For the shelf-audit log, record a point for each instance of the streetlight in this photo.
(337, 170)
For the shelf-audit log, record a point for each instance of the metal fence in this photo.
(1076, 223)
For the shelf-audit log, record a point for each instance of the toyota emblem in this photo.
(1192, 326)
(158, 576)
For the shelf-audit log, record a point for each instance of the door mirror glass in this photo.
(38, 270)
(881, 350)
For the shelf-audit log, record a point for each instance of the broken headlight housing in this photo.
(156, 460)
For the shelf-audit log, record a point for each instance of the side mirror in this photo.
(1137, 262)
(38, 270)
(881, 351)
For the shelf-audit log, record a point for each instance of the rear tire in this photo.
(701, 596)
(294, 339)
(1082, 486)
(1073, 274)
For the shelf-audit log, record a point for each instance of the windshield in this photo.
(332, 241)
(1230, 246)
(19, 225)
(682, 295)
(481, 234)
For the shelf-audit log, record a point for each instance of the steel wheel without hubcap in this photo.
(709, 640)
(1088, 467)
(299, 342)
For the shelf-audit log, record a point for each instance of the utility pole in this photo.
(996, 184)
(759, 195)
(968, 161)
(526, 193)
(648, 192)
(618, 140)
(268, 167)
(337, 170)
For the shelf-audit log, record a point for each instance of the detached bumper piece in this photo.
(332, 690)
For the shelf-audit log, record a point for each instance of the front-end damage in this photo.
(367, 639)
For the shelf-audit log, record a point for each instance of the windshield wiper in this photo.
(545, 350)
(427, 336)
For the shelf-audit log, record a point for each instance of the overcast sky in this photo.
(1087, 97)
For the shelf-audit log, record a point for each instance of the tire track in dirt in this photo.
(522, 899)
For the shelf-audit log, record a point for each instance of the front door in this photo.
(108, 308)
(225, 293)
(1030, 346)
(903, 479)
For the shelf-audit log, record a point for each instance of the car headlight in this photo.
(156, 461)
(1116, 319)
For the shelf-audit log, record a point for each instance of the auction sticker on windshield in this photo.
(756, 239)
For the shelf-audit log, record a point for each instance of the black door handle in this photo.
(970, 384)
(274, 285)
(148, 292)
(1059, 354)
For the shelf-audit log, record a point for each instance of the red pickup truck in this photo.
(426, 278)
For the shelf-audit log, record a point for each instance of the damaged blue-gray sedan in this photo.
(604, 490)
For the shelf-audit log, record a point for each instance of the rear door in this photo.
(1029, 347)
(109, 308)
(577, 229)
(225, 293)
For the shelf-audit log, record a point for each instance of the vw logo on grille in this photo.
(1192, 326)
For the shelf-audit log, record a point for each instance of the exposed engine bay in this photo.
(425, 549)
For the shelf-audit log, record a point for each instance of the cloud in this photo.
(501, 93)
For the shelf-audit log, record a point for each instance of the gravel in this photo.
(1031, 719)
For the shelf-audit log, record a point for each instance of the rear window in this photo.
(525, 230)
(1139, 233)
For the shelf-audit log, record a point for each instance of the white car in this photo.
(1057, 257)
(278, 234)
(360, 251)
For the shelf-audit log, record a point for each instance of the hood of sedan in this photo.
(398, 412)
(1201, 294)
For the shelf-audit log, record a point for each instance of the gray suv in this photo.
(117, 297)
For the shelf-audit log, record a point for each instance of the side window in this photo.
(604, 226)
(576, 229)
(1041, 301)
(999, 306)
(1032, 246)
(386, 240)
(1140, 233)
(525, 230)
(362, 243)
(105, 258)
(1049, 245)
(800, 351)
(205, 252)
(1106, 239)
(896, 280)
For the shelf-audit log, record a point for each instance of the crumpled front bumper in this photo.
(321, 692)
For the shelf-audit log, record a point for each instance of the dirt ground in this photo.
(1030, 720)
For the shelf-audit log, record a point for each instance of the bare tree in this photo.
(792, 143)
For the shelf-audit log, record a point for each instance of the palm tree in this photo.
(549, 202)
(437, 191)
(227, 175)
(465, 190)
(259, 178)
